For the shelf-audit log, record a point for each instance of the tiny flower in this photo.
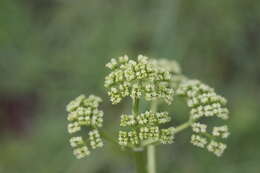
(76, 141)
(149, 133)
(199, 128)
(163, 117)
(167, 135)
(198, 141)
(216, 147)
(81, 152)
(171, 66)
(138, 79)
(147, 118)
(75, 103)
(97, 118)
(221, 131)
(72, 116)
(133, 137)
(83, 111)
(95, 139)
(127, 120)
(203, 100)
(74, 127)
(123, 138)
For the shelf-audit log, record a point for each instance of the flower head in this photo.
(204, 103)
(145, 127)
(137, 79)
(221, 131)
(216, 147)
(198, 141)
(83, 111)
(173, 67)
(199, 128)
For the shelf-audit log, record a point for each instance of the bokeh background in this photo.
(54, 50)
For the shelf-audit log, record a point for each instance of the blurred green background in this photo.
(53, 50)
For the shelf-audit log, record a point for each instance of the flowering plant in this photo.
(156, 82)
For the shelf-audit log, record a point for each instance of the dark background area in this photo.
(54, 50)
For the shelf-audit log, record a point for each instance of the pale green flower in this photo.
(95, 139)
(83, 111)
(145, 126)
(81, 152)
(221, 131)
(167, 135)
(216, 147)
(170, 65)
(137, 79)
(133, 137)
(204, 102)
(199, 128)
(127, 120)
(76, 141)
(152, 133)
(173, 67)
(123, 138)
(149, 80)
(75, 103)
(198, 141)
(74, 127)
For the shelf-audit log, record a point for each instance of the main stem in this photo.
(140, 154)
(151, 150)
(151, 161)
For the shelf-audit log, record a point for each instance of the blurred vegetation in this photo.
(54, 50)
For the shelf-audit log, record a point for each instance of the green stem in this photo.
(183, 126)
(151, 150)
(139, 155)
(135, 107)
(151, 161)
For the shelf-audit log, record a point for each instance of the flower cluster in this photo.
(147, 118)
(199, 128)
(221, 131)
(170, 65)
(145, 126)
(198, 141)
(216, 147)
(137, 79)
(204, 102)
(82, 112)
(173, 67)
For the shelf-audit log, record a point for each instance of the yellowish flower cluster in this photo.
(170, 65)
(216, 147)
(147, 118)
(173, 67)
(204, 102)
(221, 131)
(145, 126)
(137, 79)
(199, 128)
(198, 141)
(84, 111)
